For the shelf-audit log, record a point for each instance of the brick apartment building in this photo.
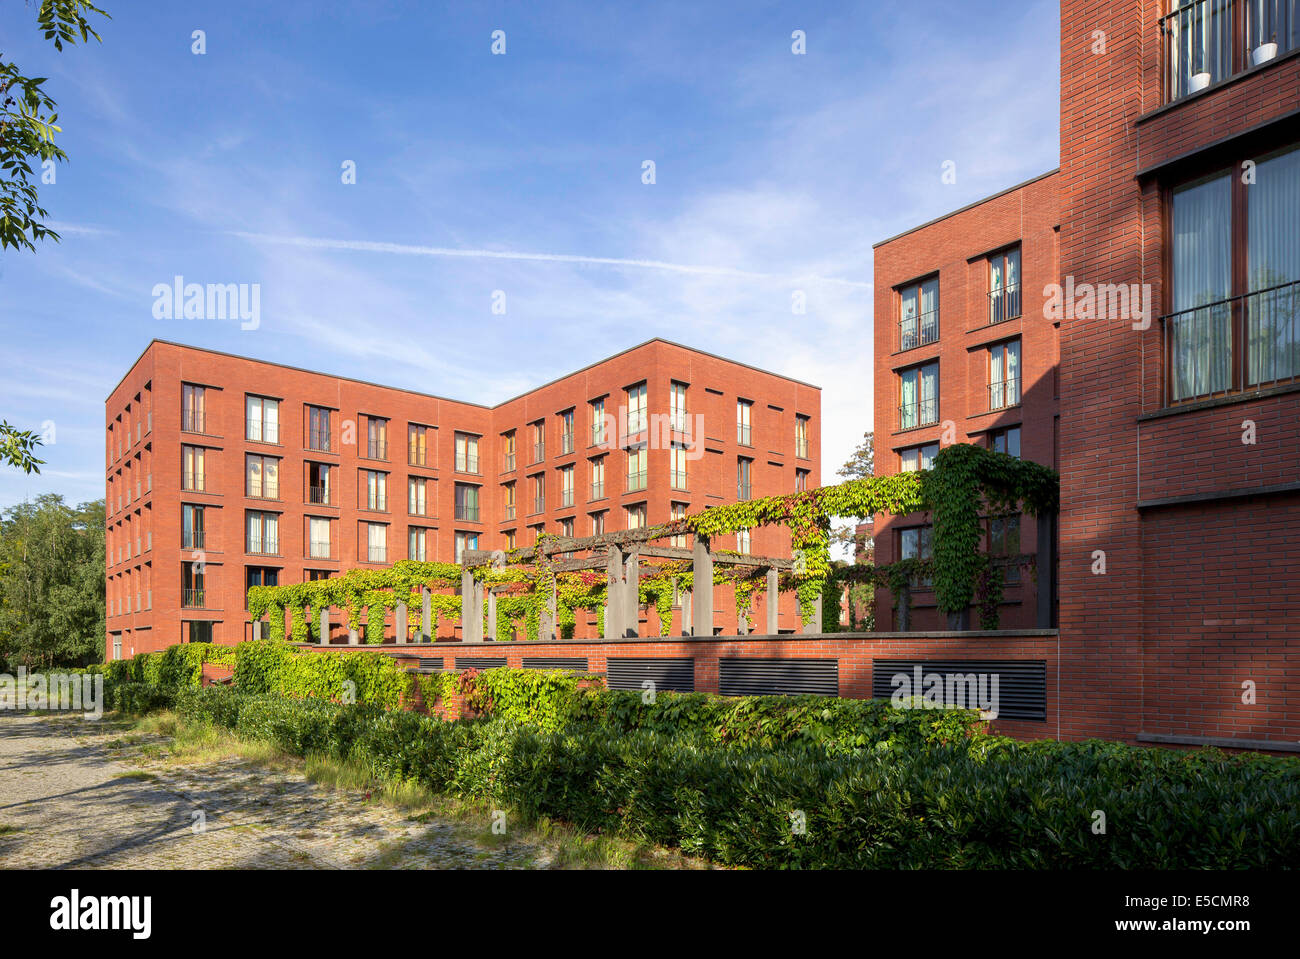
(225, 472)
(1179, 425)
(964, 354)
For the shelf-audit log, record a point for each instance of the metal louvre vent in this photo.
(778, 677)
(431, 662)
(675, 675)
(480, 662)
(1021, 683)
(577, 664)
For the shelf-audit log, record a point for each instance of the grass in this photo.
(9, 830)
(166, 738)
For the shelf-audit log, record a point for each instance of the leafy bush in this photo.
(137, 698)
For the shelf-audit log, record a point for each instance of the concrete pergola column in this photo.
(471, 608)
(631, 595)
(814, 625)
(904, 603)
(426, 614)
(257, 629)
(687, 603)
(491, 627)
(702, 565)
(613, 593)
(547, 626)
(401, 623)
(325, 626)
(773, 601)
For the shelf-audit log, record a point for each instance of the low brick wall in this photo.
(855, 654)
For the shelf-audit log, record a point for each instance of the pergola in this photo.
(620, 555)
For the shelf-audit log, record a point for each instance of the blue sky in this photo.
(774, 173)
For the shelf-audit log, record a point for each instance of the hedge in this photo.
(979, 802)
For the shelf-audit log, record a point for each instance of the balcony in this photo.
(1004, 304)
(1206, 41)
(318, 440)
(265, 547)
(566, 442)
(1237, 345)
(1004, 393)
(193, 539)
(192, 598)
(566, 497)
(467, 513)
(319, 494)
(922, 413)
(378, 504)
(320, 549)
(917, 330)
(193, 421)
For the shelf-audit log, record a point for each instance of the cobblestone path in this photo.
(73, 794)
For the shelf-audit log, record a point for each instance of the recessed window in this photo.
(193, 411)
(636, 516)
(598, 431)
(375, 487)
(467, 502)
(1004, 375)
(744, 418)
(1004, 544)
(376, 438)
(637, 471)
(193, 475)
(465, 541)
(318, 429)
(417, 445)
(677, 409)
(801, 436)
(319, 541)
(677, 467)
(916, 542)
(598, 478)
(376, 542)
(261, 419)
(566, 432)
(192, 527)
(917, 457)
(416, 504)
(1006, 441)
(1004, 286)
(262, 477)
(744, 470)
(508, 489)
(918, 396)
(508, 452)
(636, 409)
(417, 541)
(263, 533)
(566, 486)
(918, 314)
(466, 453)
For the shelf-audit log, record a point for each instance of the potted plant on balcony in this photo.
(1264, 52)
(1199, 81)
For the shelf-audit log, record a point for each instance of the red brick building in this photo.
(1177, 299)
(225, 472)
(965, 354)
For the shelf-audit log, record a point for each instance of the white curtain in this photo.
(1013, 373)
(930, 311)
(1202, 282)
(907, 319)
(907, 401)
(929, 411)
(1273, 259)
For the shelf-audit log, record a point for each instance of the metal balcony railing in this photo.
(377, 503)
(566, 443)
(1196, 41)
(539, 452)
(376, 554)
(508, 463)
(192, 598)
(637, 481)
(743, 435)
(679, 421)
(566, 497)
(264, 547)
(597, 490)
(1004, 304)
(1004, 393)
(191, 481)
(318, 440)
(1235, 345)
(918, 329)
(466, 463)
(193, 421)
(467, 513)
(192, 539)
(743, 491)
(921, 413)
(319, 494)
(510, 511)
(320, 549)
(539, 504)
(377, 449)
(678, 479)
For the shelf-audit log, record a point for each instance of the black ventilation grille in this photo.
(778, 677)
(577, 664)
(480, 662)
(431, 662)
(675, 675)
(1022, 683)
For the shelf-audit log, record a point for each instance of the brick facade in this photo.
(145, 472)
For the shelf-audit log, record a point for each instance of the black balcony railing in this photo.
(743, 491)
(1004, 393)
(917, 330)
(1242, 343)
(192, 539)
(1206, 41)
(319, 494)
(921, 413)
(377, 449)
(467, 513)
(193, 421)
(192, 598)
(192, 481)
(318, 439)
(1004, 303)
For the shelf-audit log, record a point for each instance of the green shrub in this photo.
(137, 698)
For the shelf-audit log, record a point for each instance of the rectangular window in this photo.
(1004, 286)
(916, 543)
(918, 396)
(192, 527)
(677, 411)
(193, 476)
(1006, 441)
(198, 630)
(539, 493)
(261, 419)
(1272, 313)
(918, 314)
(566, 432)
(467, 502)
(598, 478)
(1197, 38)
(509, 489)
(566, 486)
(375, 484)
(465, 541)
(1004, 375)
(376, 542)
(193, 410)
(466, 453)
(917, 458)
(376, 438)
(318, 429)
(416, 542)
(320, 483)
(1004, 543)
(801, 436)
(315, 574)
(636, 409)
(508, 452)
(800, 480)
(415, 502)
(598, 523)
(677, 467)
(742, 542)
(744, 413)
(744, 467)
(262, 477)
(598, 422)
(263, 533)
(676, 512)
(192, 580)
(511, 539)
(318, 538)
(637, 473)
(417, 445)
(566, 527)
(259, 576)
(636, 516)
(539, 441)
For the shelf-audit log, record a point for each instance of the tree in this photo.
(28, 124)
(17, 448)
(861, 464)
(52, 584)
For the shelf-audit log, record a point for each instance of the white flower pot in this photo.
(1199, 82)
(1263, 53)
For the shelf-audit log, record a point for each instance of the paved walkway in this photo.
(74, 794)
